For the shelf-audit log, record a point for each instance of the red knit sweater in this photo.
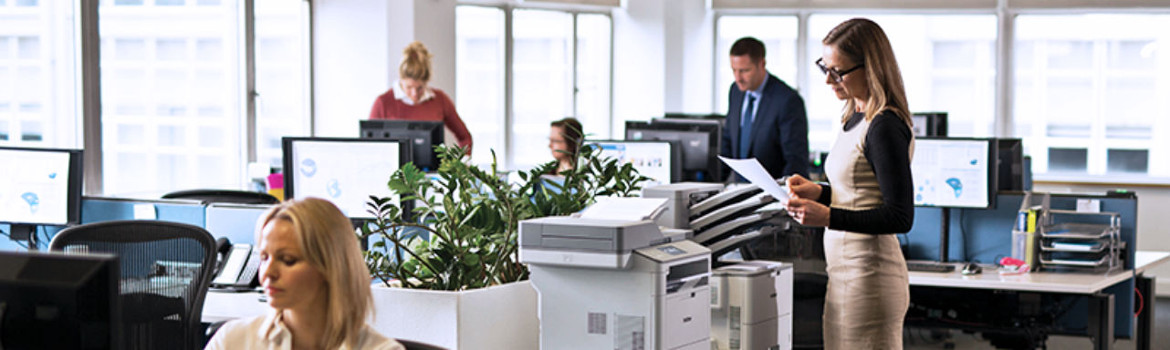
(439, 108)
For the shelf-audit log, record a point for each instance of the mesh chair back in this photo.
(166, 268)
(223, 196)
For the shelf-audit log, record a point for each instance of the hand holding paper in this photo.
(751, 170)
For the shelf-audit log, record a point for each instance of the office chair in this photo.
(416, 345)
(166, 269)
(223, 196)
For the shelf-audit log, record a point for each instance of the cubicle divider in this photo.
(984, 235)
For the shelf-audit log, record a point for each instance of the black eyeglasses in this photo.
(838, 76)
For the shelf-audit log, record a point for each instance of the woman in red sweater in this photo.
(411, 99)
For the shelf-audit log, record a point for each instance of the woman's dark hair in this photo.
(571, 131)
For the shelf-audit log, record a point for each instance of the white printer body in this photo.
(607, 284)
(751, 306)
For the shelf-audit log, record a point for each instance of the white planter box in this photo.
(499, 317)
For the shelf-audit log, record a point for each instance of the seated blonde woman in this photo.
(316, 282)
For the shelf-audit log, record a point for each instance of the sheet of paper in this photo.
(624, 208)
(144, 211)
(751, 170)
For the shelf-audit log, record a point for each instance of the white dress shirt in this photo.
(269, 332)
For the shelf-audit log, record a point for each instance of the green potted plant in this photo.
(458, 245)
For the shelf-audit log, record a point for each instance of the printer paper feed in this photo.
(624, 209)
(751, 170)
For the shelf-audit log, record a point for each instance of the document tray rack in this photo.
(1079, 246)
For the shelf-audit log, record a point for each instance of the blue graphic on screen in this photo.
(33, 201)
(951, 173)
(957, 185)
(308, 167)
(52, 175)
(333, 188)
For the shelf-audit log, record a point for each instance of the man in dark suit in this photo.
(765, 117)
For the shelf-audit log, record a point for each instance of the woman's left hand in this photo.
(808, 212)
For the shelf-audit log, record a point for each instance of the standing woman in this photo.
(871, 197)
(316, 281)
(410, 98)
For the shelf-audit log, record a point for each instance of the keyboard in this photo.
(929, 267)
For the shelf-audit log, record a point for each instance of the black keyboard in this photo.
(929, 267)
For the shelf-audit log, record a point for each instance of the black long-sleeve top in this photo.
(887, 148)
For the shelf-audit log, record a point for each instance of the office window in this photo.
(947, 64)
(542, 77)
(779, 36)
(560, 65)
(479, 78)
(282, 75)
(593, 79)
(38, 92)
(1087, 91)
(171, 96)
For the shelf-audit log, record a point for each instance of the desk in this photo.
(1089, 285)
(223, 306)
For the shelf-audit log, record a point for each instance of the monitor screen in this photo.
(1011, 164)
(954, 172)
(697, 140)
(42, 188)
(653, 159)
(58, 301)
(423, 136)
(344, 171)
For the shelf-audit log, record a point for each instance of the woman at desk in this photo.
(564, 139)
(316, 282)
(871, 197)
(410, 98)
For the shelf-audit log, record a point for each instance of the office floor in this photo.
(920, 339)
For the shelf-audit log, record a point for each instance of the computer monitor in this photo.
(423, 136)
(42, 187)
(697, 140)
(930, 124)
(658, 160)
(59, 301)
(345, 171)
(1010, 171)
(954, 172)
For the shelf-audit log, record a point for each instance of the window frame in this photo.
(509, 158)
(1006, 15)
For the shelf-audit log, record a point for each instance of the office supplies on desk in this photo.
(929, 267)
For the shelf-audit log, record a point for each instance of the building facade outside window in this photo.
(38, 85)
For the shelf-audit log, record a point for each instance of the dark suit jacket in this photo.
(779, 132)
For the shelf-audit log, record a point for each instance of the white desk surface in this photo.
(1144, 259)
(223, 306)
(1077, 283)
(1073, 283)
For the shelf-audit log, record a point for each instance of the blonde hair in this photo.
(416, 62)
(863, 41)
(330, 245)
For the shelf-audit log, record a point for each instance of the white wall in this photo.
(689, 56)
(639, 57)
(1152, 225)
(357, 46)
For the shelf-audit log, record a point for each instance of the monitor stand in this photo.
(28, 233)
(944, 235)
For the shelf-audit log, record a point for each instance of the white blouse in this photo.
(269, 332)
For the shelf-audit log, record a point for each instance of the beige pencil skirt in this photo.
(868, 291)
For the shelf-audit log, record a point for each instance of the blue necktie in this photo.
(745, 127)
